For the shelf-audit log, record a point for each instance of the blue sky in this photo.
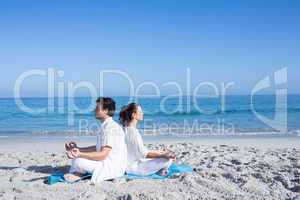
(220, 41)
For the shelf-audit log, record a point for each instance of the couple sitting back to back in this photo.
(118, 150)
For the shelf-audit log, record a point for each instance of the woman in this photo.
(141, 161)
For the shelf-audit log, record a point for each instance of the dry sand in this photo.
(252, 168)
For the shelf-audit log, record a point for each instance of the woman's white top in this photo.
(136, 155)
(136, 151)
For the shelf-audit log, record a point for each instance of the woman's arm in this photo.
(154, 154)
(160, 154)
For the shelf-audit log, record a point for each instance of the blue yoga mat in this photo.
(173, 169)
(59, 177)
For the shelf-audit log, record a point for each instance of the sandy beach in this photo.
(232, 168)
(214, 82)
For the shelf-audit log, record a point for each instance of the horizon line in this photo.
(267, 94)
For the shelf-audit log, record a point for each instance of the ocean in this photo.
(186, 116)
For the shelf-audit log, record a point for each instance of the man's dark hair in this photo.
(107, 104)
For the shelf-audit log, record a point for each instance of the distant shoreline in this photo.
(43, 97)
(57, 143)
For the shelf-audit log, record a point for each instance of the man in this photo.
(106, 160)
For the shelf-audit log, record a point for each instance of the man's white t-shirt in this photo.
(111, 134)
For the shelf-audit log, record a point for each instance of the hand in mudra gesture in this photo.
(169, 154)
(73, 153)
(69, 146)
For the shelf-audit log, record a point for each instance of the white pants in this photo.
(149, 166)
(82, 165)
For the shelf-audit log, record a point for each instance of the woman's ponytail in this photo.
(126, 113)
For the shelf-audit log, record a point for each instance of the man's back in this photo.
(111, 135)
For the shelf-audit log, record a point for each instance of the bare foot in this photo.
(72, 177)
(162, 172)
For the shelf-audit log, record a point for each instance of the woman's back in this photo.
(135, 146)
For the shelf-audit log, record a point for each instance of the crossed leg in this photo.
(79, 167)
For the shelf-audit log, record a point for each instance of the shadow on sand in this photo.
(44, 169)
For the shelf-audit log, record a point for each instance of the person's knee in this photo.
(168, 163)
(78, 162)
(164, 160)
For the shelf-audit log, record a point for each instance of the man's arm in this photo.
(69, 146)
(87, 149)
(97, 156)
